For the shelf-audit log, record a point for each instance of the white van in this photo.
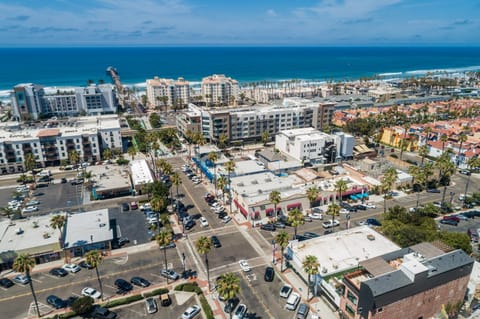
(292, 301)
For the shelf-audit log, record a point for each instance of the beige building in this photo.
(219, 89)
(166, 93)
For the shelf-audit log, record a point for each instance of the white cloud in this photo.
(271, 13)
(350, 8)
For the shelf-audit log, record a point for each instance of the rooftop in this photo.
(88, 227)
(140, 172)
(109, 177)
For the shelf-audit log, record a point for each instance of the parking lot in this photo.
(174, 311)
(131, 224)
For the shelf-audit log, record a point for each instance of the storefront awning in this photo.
(294, 205)
(240, 208)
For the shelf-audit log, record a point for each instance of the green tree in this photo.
(57, 222)
(24, 264)
(275, 199)
(230, 168)
(310, 266)
(446, 169)
(163, 239)
(333, 210)
(340, 187)
(457, 240)
(132, 151)
(389, 179)
(94, 258)
(8, 212)
(282, 239)
(107, 154)
(265, 137)
(444, 139)
(73, 157)
(462, 138)
(312, 195)
(423, 152)
(204, 246)
(296, 218)
(82, 305)
(404, 142)
(222, 183)
(176, 180)
(213, 157)
(473, 163)
(31, 164)
(418, 179)
(228, 287)
(222, 141)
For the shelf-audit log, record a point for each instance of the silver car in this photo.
(151, 305)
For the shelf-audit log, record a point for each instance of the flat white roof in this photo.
(89, 227)
(111, 178)
(247, 167)
(343, 250)
(261, 183)
(36, 235)
(141, 173)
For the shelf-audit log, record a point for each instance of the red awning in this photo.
(269, 210)
(279, 208)
(240, 207)
(294, 205)
(255, 215)
(319, 198)
(352, 191)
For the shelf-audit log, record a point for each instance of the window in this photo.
(353, 299)
(349, 310)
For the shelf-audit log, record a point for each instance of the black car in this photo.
(6, 283)
(216, 242)
(125, 207)
(64, 180)
(231, 304)
(86, 265)
(77, 181)
(123, 285)
(139, 281)
(103, 313)
(269, 274)
(373, 222)
(279, 225)
(122, 241)
(433, 190)
(360, 207)
(449, 222)
(222, 214)
(311, 235)
(269, 227)
(56, 302)
(189, 225)
(58, 272)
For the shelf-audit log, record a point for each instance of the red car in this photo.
(451, 217)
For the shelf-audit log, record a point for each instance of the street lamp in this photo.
(273, 251)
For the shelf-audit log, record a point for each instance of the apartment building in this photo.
(248, 123)
(168, 93)
(219, 89)
(312, 146)
(413, 282)
(51, 142)
(32, 101)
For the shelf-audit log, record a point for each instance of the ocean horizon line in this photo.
(209, 46)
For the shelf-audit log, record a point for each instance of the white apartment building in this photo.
(219, 89)
(248, 123)
(312, 146)
(51, 142)
(164, 93)
(31, 101)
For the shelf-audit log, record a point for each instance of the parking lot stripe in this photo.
(259, 298)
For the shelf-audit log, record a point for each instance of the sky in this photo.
(40, 23)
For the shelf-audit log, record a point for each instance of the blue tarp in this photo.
(203, 168)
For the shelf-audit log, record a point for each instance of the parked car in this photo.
(371, 205)
(170, 274)
(56, 302)
(269, 274)
(216, 242)
(103, 313)
(169, 245)
(360, 207)
(279, 225)
(222, 215)
(241, 312)
(231, 304)
(292, 301)
(330, 223)
(77, 181)
(86, 265)
(285, 291)
(165, 300)
(151, 305)
(58, 272)
(90, 292)
(125, 207)
(452, 217)
(21, 279)
(268, 227)
(373, 222)
(433, 190)
(63, 180)
(310, 234)
(30, 209)
(203, 222)
(189, 225)
(32, 203)
(226, 219)
(191, 312)
(139, 281)
(133, 205)
(123, 285)
(317, 216)
(244, 265)
(302, 311)
(473, 233)
(6, 283)
(449, 222)
(73, 268)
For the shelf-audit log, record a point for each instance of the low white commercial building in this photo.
(140, 174)
(312, 146)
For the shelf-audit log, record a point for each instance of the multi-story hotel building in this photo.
(413, 282)
(219, 89)
(165, 93)
(31, 101)
(248, 123)
(52, 141)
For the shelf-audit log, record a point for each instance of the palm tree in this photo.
(222, 141)
(333, 210)
(94, 258)
(462, 138)
(230, 168)
(312, 195)
(310, 266)
(57, 222)
(204, 246)
(30, 164)
(418, 177)
(163, 239)
(213, 157)
(107, 154)
(24, 264)
(7, 211)
(296, 218)
(176, 180)
(446, 169)
(473, 163)
(228, 287)
(132, 151)
(404, 141)
(265, 137)
(73, 157)
(423, 152)
(389, 179)
(340, 187)
(281, 239)
(275, 199)
(158, 204)
(444, 139)
(222, 183)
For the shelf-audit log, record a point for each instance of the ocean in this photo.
(75, 66)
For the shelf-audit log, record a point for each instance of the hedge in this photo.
(122, 301)
(159, 291)
(206, 308)
(189, 287)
